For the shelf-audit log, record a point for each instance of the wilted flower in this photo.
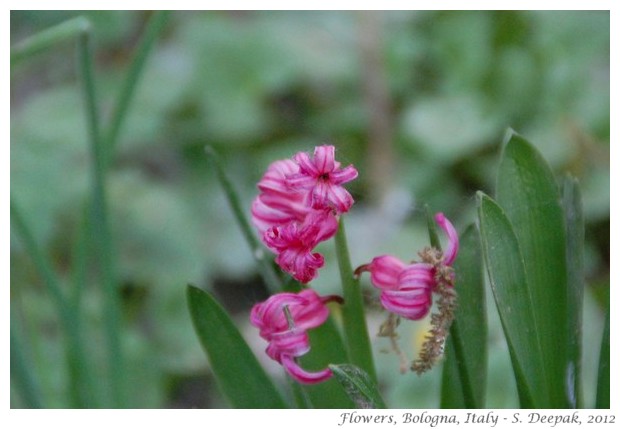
(283, 320)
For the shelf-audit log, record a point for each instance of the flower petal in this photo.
(453, 238)
(302, 375)
(385, 271)
(324, 158)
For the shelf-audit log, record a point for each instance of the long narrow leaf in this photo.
(45, 39)
(268, 273)
(575, 232)
(153, 28)
(602, 386)
(238, 373)
(465, 367)
(101, 234)
(22, 375)
(514, 301)
(529, 196)
(355, 329)
(359, 386)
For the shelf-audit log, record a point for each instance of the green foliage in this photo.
(239, 375)
(259, 86)
(465, 367)
(358, 385)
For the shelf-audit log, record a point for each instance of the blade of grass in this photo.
(602, 385)
(42, 41)
(238, 373)
(575, 233)
(355, 329)
(101, 234)
(22, 373)
(529, 196)
(270, 276)
(465, 365)
(79, 368)
(359, 386)
(153, 29)
(514, 301)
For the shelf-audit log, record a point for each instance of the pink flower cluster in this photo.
(406, 289)
(283, 320)
(297, 208)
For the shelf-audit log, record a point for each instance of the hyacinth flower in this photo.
(297, 208)
(407, 291)
(283, 320)
(322, 178)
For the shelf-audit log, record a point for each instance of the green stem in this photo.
(43, 40)
(267, 271)
(153, 28)
(356, 331)
(101, 233)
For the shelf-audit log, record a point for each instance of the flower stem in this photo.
(356, 331)
(270, 276)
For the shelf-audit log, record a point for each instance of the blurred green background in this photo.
(417, 101)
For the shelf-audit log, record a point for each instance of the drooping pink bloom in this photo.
(407, 289)
(287, 334)
(294, 243)
(322, 178)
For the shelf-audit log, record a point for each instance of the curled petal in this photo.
(385, 271)
(413, 305)
(302, 375)
(294, 342)
(275, 178)
(419, 275)
(301, 264)
(453, 238)
(339, 197)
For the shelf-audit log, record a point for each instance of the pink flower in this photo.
(321, 177)
(287, 334)
(297, 208)
(407, 289)
(294, 243)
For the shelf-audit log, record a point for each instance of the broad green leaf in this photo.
(238, 373)
(529, 196)
(358, 385)
(465, 367)
(602, 387)
(514, 301)
(573, 213)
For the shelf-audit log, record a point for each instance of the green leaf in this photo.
(529, 196)
(514, 301)
(575, 232)
(465, 367)
(238, 373)
(358, 385)
(602, 387)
